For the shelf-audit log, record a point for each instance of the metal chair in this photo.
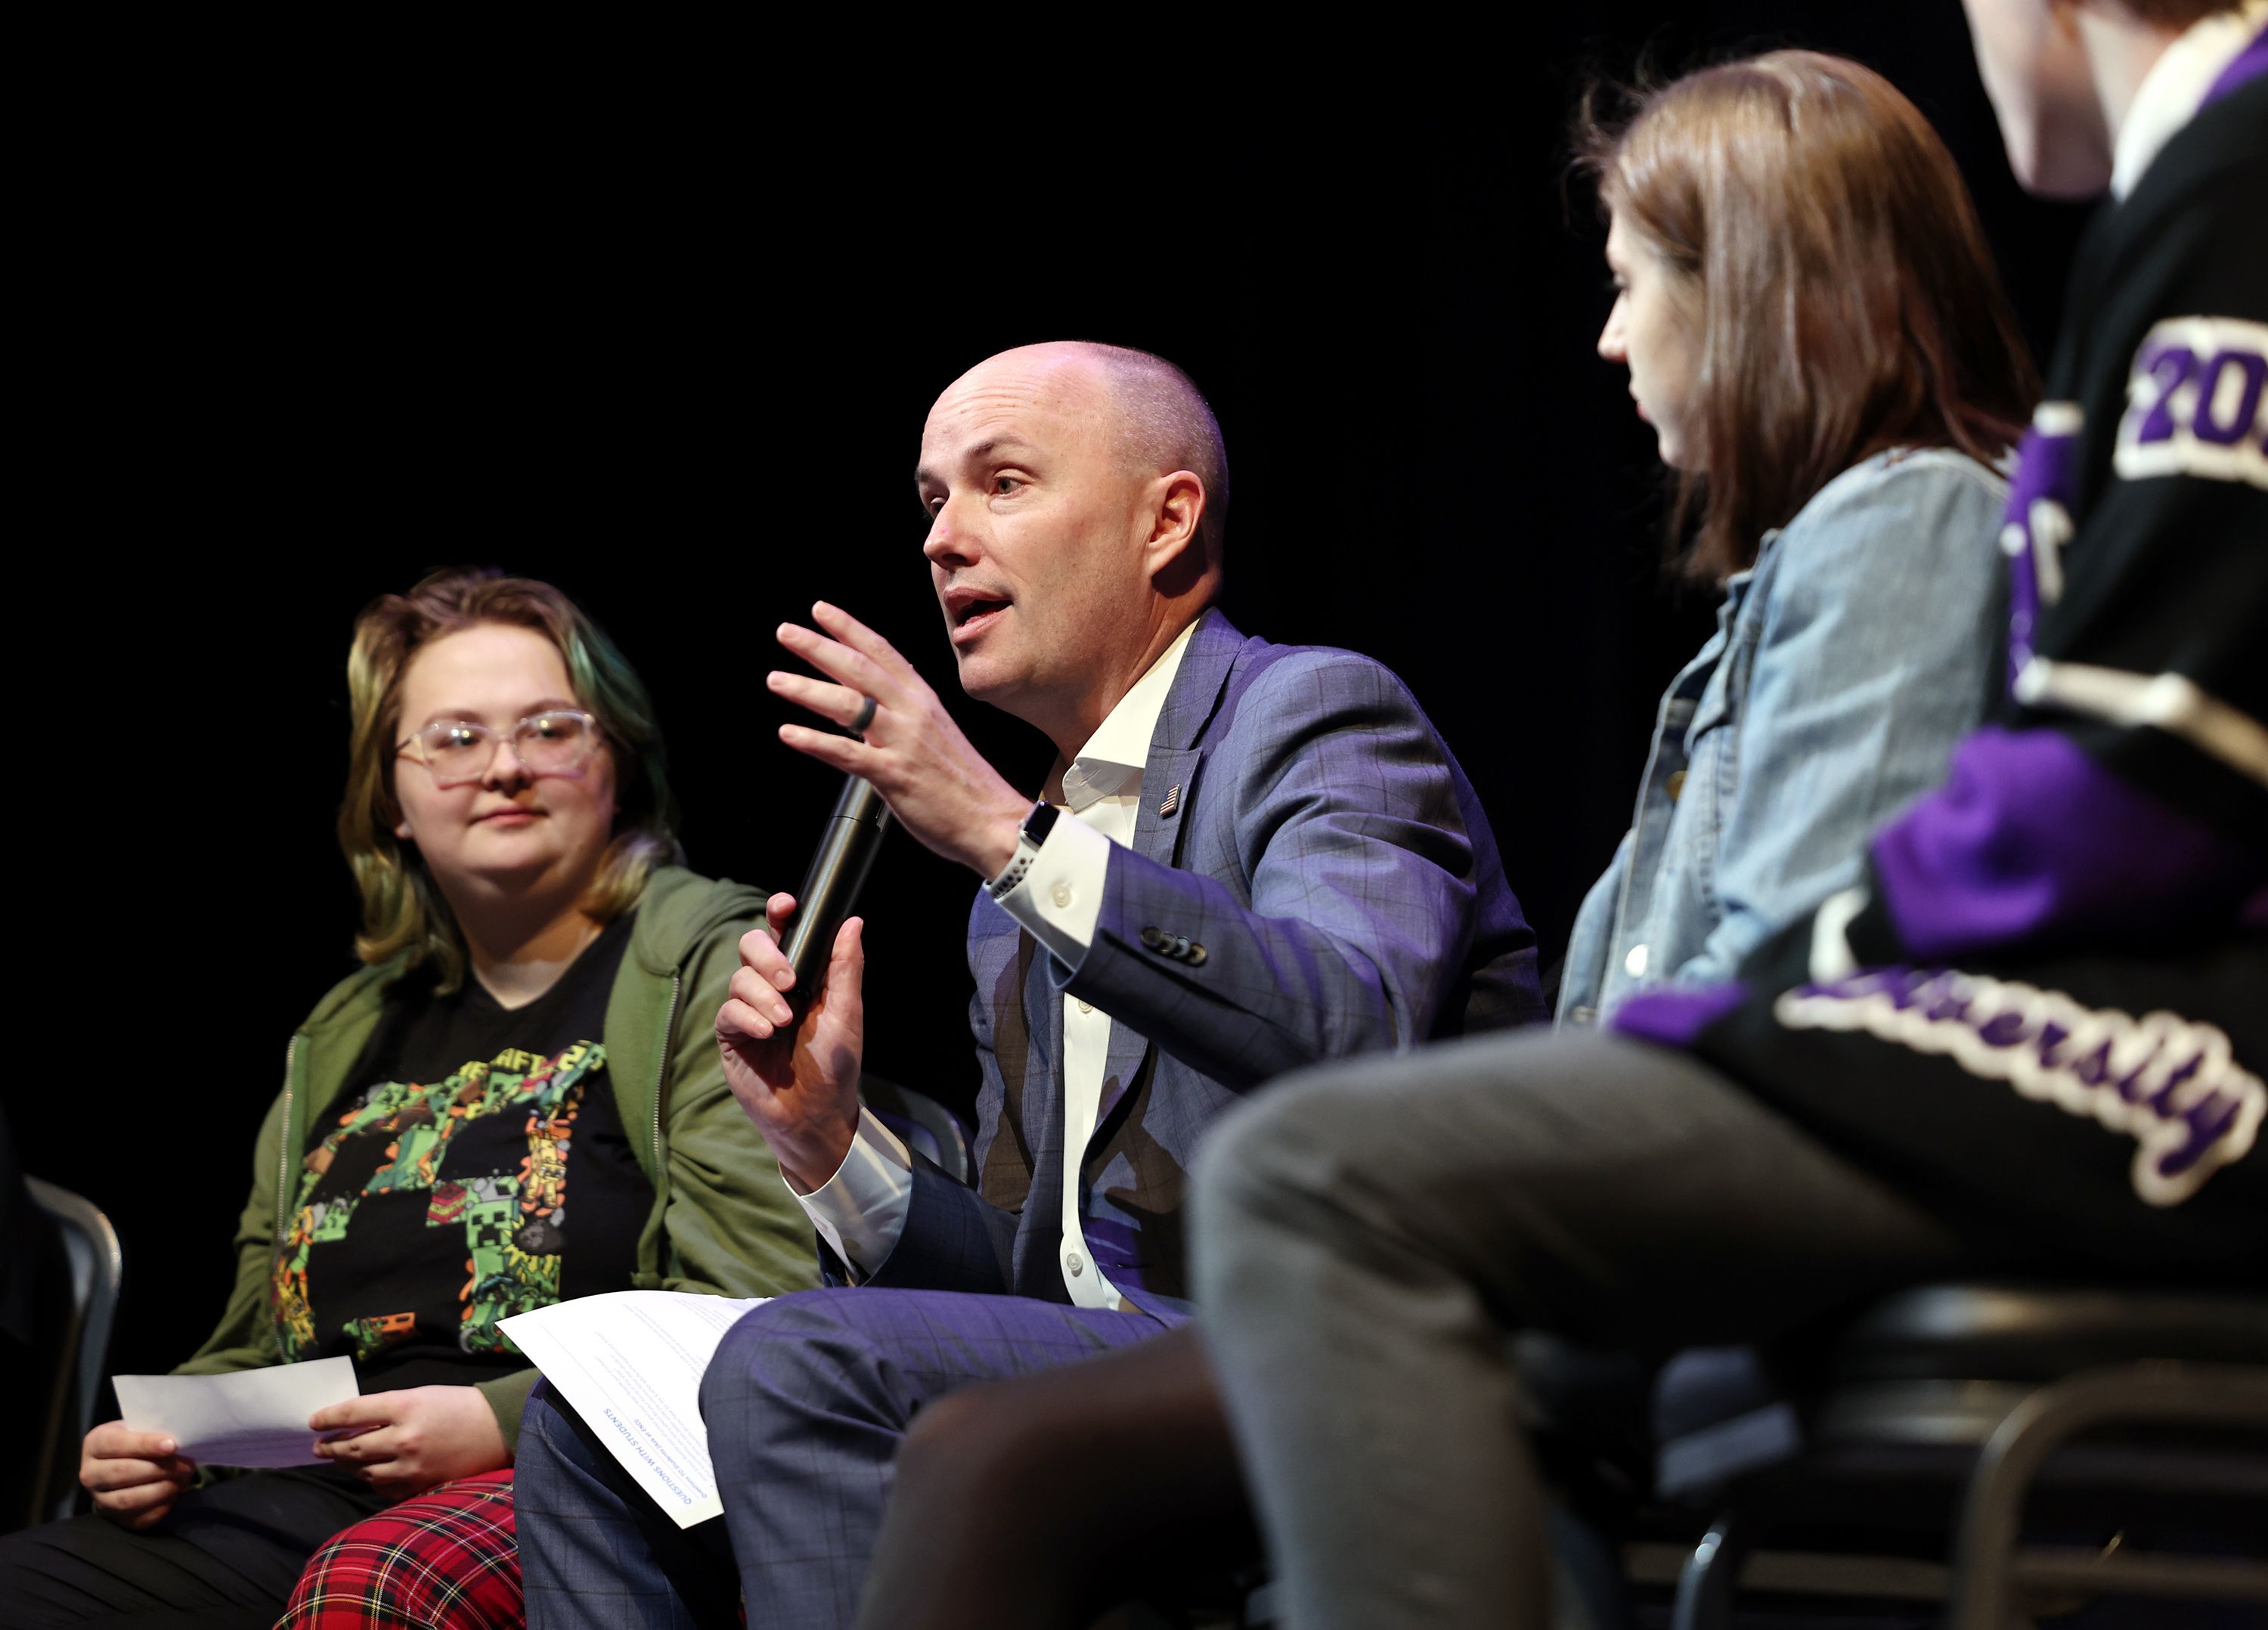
(97, 1268)
(929, 1128)
(1957, 1408)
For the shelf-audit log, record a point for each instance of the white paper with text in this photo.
(630, 1362)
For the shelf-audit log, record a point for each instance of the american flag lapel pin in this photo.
(1171, 801)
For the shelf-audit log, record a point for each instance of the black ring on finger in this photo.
(866, 716)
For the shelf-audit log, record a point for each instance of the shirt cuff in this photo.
(1060, 899)
(861, 1209)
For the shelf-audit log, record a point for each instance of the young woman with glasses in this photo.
(516, 1100)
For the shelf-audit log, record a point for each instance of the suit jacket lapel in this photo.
(1171, 768)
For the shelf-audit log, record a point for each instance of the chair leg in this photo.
(1705, 1588)
(1991, 1518)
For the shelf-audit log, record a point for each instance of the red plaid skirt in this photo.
(444, 1559)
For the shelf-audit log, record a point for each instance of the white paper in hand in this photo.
(248, 1418)
(630, 1362)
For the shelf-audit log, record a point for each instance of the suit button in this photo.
(1152, 939)
(1196, 957)
(1076, 1266)
(1634, 964)
(1061, 895)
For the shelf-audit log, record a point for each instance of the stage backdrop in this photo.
(672, 348)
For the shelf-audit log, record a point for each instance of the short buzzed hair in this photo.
(1169, 426)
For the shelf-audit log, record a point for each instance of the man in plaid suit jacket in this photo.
(1251, 857)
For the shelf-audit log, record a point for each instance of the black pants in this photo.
(226, 1559)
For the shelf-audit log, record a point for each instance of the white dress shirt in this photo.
(861, 1211)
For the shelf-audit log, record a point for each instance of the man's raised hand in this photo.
(798, 1081)
(938, 784)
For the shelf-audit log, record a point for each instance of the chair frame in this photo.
(1991, 1567)
(891, 1101)
(98, 1266)
(1991, 1564)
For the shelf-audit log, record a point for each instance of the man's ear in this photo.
(1174, 540)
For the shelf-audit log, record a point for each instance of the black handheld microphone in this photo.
(830, 889)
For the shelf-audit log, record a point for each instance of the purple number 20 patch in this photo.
(2193, 403)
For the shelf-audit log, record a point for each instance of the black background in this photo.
(645, 329)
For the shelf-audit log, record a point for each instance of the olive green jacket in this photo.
(723, 1222)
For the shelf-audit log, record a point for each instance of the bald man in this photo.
(1248, 857)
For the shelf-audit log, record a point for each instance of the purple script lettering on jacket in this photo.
(2194, 399)
(2171, 1083)
(1998, 858)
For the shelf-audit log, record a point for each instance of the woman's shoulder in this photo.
(1894, 511)
(1906, 478)
(359, 995)
(680, 911)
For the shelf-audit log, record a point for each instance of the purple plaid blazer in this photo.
(1323, 883)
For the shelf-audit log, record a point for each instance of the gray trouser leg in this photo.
(1366, 1234)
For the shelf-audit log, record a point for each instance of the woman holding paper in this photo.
(514, 1102)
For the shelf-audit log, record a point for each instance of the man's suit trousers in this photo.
(807, 1402)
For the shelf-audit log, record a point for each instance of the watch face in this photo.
(1040, 823)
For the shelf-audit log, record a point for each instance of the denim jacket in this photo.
(1845, 663)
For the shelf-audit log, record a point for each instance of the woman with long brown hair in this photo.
(1811, 323)
(1812, 328)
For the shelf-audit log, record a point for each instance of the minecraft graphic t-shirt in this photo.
(479, 1169)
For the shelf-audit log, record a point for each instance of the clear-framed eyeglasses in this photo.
(558, 742)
